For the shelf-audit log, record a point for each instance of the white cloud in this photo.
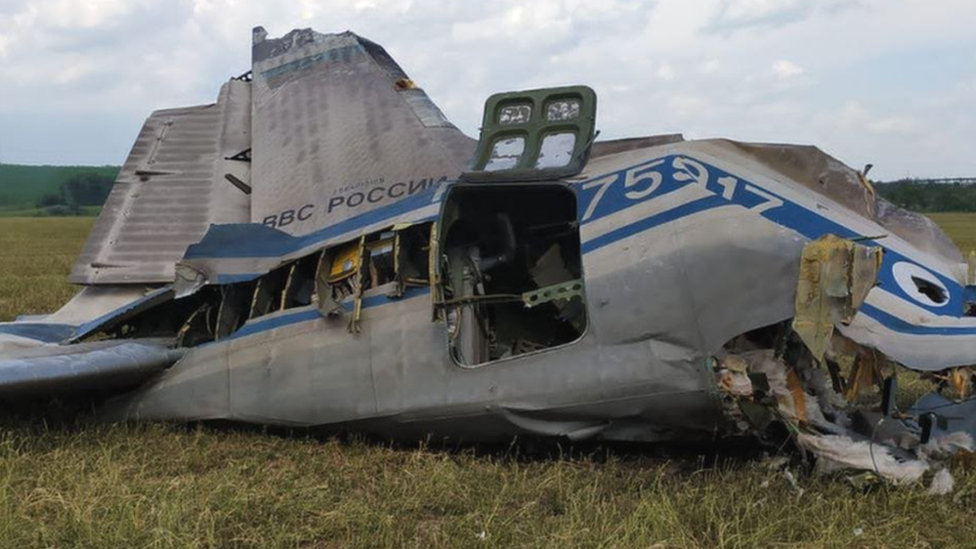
(786, 69)
(365, 5)
(854, 118)
(310, 9)
(737, 68)
(756, 9)
(711, 66)
(688, 105)
(78, 69)
(851, 115)
(89, 14)
(665, 72)
(531, 23)
(895, 125)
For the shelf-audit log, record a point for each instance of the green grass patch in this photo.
(158, 486)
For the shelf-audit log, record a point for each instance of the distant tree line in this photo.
(929, 197)
(92, 189)
(81, 189)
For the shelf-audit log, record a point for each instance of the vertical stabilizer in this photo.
(339, 130)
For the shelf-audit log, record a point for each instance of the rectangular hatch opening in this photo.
(511, 270)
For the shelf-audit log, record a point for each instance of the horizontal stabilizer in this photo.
(100, 367)
(182, 175)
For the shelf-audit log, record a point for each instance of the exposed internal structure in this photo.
(338, 278)
(512, 270)
(845, 403)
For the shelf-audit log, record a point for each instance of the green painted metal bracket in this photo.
(563, 290)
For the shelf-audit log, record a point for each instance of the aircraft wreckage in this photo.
(321, 247)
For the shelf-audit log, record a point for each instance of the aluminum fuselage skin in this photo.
(684, 247)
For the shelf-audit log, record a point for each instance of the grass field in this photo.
(36, 255)
(79, 484)
(961, 227)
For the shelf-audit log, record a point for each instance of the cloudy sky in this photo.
(892, 82)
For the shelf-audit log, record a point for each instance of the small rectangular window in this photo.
(505, 153)
(510, 115)
(562, 109)
(557, 150)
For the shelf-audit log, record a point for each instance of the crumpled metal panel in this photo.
(173, 186)
(397, 379)
(956, 416)
(339, 130)
(818, 171)
(115, 317)
(918, 230)
(616, 146)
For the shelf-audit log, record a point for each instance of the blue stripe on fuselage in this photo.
(898, 325)
(633, 185)
(675, 171)
(648, 223)
(312, 314)
(253, 240)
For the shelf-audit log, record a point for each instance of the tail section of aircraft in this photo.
(330, 128)
(340, 130)
(180, 178)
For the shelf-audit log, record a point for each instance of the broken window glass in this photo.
(932, 290)
(920, 284)
(557, 150)
(510, 115)
(505, 153)
(562, 109)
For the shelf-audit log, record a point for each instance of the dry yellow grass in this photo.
(101, 486)
(961, 227)
(36, 255)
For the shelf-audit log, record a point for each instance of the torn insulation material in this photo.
(825, 388)
(835, 277)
